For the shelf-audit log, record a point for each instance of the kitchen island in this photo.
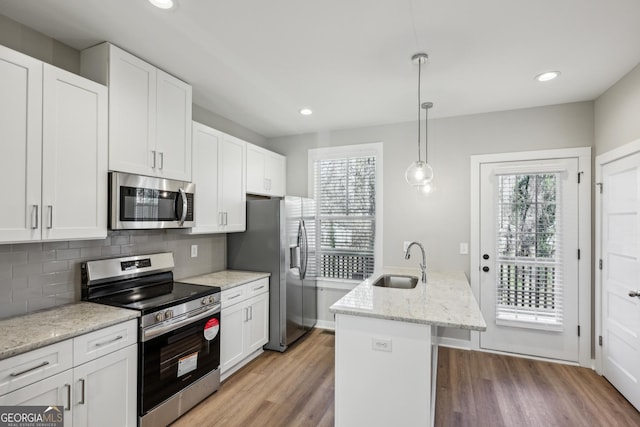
(386, 347)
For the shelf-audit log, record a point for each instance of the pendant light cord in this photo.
(426, 133)
(419, 106)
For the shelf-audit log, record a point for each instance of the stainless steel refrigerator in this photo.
(280, 239)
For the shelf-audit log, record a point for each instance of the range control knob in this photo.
(168, 314)
(211, 299)
(160, 316)
(205, 300)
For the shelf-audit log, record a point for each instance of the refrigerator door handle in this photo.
(294, 252)
(305, 251)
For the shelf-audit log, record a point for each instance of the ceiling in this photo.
(259, 62)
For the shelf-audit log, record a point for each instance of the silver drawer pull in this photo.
(259, 287)
(235, 296)
(100, 344)
(17, 374)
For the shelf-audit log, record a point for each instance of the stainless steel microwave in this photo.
(144, 202)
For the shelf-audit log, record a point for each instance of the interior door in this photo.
(621, 275)
(529, 249)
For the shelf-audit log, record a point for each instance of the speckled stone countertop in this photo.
(225, 279)
(446, 300)
(25, 333)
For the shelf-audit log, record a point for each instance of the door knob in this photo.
(485, 268)
(634, 293)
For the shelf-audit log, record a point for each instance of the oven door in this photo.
(142, 202)
(175, 359)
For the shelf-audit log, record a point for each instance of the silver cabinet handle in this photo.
(161, 160)
(225, 218)
(100, 344)
(81, 402)
(153, 165)
(234, 297)
(35, 221)
(250, 312)
(68, 407)
(634, 294)
(17, 374)
(50, 226)
(259, 287)
(219, 218)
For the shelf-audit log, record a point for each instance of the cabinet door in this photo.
(52, 391)
(173, 143)
(256, 173)
(258, 324)
(105, 390)
(206, 144)
(231, 188)
(132, 113)
(276, 169)
(232, 335)
(74, 168)
(21, 141)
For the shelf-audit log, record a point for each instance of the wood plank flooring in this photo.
(296, 388)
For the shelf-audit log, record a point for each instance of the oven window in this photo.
(175, 360)
(146, 204)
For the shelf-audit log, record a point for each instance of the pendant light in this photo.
(426, 187)
(419, 173)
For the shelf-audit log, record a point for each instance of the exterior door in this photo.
(621, 275)
(529, 257)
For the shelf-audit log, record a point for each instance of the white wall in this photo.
(441, 221)
(617, 113)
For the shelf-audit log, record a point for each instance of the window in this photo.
(529, 279)
(345, 181)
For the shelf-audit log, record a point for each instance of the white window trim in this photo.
(583, 154)
(370, 149)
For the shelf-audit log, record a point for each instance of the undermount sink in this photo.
(396, 281)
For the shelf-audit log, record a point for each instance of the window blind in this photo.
(529, 276)
(345, 190)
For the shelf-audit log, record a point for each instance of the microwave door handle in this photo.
(183, 194)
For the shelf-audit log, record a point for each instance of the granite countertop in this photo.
(25, 333)
(445, 300)
(225, 279)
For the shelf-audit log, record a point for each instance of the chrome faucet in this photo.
(423, 265)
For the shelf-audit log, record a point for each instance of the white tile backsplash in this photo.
(35, 276)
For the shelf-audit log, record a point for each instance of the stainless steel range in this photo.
(179, 340)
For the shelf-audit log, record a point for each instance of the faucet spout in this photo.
(423, 265)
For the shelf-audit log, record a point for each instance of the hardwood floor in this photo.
(296, 388)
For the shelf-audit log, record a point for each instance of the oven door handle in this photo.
(155, 331)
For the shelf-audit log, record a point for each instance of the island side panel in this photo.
(383, 372)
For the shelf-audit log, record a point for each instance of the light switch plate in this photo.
(464, 248)
(194, 251)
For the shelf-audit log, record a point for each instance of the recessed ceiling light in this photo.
(162, 4)
(549, 75)
(306, 111)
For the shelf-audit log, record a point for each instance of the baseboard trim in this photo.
(454, 343)
(326, 324)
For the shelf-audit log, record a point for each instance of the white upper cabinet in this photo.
(53, 128)
(219, 176)
(74, 153)
(149, 113)
(21, 142)
(266, 172)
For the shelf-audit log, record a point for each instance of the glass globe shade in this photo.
(419, 173)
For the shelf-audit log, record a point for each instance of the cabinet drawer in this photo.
(258, 287)
(104, 341)
(36, 365)
(233, 295)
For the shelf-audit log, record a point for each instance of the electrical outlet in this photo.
(194, 251)
(405, 245)
(464, 248)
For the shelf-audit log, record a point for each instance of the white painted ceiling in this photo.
(257, 62)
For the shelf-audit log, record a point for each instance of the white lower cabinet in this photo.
(244, 322)
(96, 389)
